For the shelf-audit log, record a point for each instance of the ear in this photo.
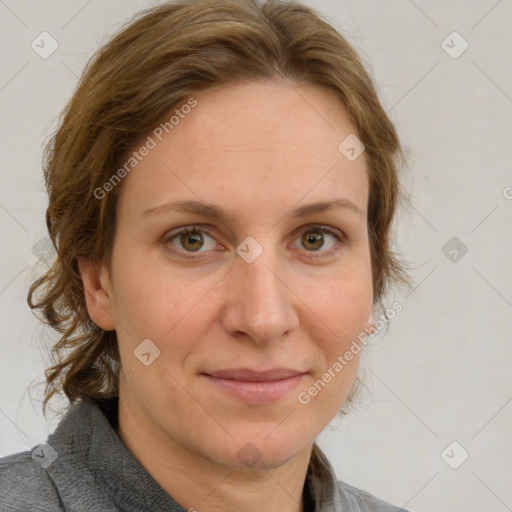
(97, 294)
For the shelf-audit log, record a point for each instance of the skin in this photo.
(259, 150)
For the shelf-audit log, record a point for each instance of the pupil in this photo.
(315, 239)
(189, 239)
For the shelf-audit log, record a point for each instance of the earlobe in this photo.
(97, 294)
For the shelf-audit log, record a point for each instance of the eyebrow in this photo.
(217, 212)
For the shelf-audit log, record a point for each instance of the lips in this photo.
(248, 375)
(255, 387)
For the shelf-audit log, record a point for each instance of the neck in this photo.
(199, 484)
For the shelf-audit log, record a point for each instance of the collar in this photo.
(90, 452)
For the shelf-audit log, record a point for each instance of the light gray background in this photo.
(442, 372)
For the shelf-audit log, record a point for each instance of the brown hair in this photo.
(149, 68)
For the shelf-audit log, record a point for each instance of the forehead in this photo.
(265, 116)
(253, 141)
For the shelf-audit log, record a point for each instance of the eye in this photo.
(190, 240)
(316, 238)
(195, 239)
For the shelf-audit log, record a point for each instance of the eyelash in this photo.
(339, 237)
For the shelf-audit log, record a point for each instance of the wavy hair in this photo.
(151, 66)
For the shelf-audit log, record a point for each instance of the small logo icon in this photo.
(454, 45)
(249, 455)
(146, 352)
(454, 455)
(44, 45)
(44, 455)
(249, 249)
(43, 250)
(351, 147)
(454, 249)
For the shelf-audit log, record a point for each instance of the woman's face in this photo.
(224, 331)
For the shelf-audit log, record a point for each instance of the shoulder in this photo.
(363, 501)
(25, 485)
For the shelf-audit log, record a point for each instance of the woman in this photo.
(221, 190)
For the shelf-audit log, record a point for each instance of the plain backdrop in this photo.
(433, 428)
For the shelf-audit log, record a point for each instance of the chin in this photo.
(263, 451)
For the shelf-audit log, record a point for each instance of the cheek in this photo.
(343, 308)
(154, 304)
(343, 303)
(154, 300)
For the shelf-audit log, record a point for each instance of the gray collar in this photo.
(90, 452)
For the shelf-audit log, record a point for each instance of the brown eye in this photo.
(321, 240)
(313, 240)
(190, 240)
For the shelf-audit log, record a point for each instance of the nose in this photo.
(260, 303)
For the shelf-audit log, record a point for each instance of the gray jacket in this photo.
(85, 467)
